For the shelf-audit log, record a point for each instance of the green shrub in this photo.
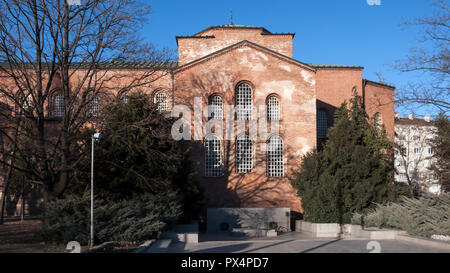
(424, 217)
(141, 218)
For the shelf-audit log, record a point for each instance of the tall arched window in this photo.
(244, 154)
(27, 102)
(322, 125)
(213, 157)
(275, 164)
(215, 108)
(58, 106)
(161, 102)
(94, 108)
(244, 102)
(273, 108)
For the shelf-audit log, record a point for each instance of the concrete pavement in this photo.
(293, 243)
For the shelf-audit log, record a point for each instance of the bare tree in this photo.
(56, 61)
(413, 158)
(432, 58)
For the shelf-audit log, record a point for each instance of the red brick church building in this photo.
(249, 66)
(234, 64)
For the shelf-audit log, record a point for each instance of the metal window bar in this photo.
(273, 108)
(161, 102)
(94, 107)
(244, 154)
(244, 102)
(58, 108)
(322, 124)
(213, 157)
(275, 164)
(216, 108)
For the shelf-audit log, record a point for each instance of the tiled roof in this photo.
(121, 65)
(233, 26)
(380, 83)
(334, 66)
(414, 121)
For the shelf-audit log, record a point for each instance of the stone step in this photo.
(160, 246)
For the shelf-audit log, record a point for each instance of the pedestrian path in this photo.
(290, 243)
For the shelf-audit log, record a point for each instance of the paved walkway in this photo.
(292, 243)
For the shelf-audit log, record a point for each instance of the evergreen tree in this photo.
(351, 172)
(441, 146)
(137, 155)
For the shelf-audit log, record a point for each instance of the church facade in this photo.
(242, 77)
(243, 66)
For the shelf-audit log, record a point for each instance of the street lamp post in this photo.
(95, 137)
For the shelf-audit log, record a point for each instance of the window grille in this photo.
(161, 102)
(244, 154)
(215, 108)
(244, 102)
(273, 108)
(58, 106)
(213, 158)
(322, 124)
(275, 164)
(94, 108)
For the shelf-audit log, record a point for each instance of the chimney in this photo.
(397, 115)
(411, 116)
(427, 118)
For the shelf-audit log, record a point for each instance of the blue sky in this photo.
(350, 32)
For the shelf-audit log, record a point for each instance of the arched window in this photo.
(58, 106)
(275, 164)
(27, 102)
(93, 108)
(161, 101)
(244, 154)
(216, 108)
(322, 124)
(244, 102)
(273, 108)
(213, 157)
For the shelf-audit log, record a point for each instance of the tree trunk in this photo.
(5, 189)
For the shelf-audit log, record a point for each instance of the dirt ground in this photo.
(21, 237)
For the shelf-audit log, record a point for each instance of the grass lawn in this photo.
(21, 237)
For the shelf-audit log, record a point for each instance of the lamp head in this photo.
(97, 136)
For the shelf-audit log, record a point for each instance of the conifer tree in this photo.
(350, 173)
(137, 155)
(441, 146)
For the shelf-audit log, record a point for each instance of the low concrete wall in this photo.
(331, 230)
(252, 218)
(186, 233)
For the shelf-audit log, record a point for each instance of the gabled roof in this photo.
(254, 45)
(111, 65)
